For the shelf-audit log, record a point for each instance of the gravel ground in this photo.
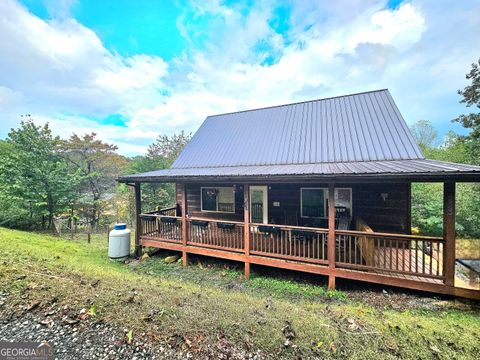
(88, 341)
(81, 337)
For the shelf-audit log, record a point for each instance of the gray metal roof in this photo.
(382, 170)
(353, 136)
(359, 127)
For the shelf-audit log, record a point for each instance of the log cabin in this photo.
(321, 186)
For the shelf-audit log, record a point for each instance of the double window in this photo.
(314, 201)
(218, 199)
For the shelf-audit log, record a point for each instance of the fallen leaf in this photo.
(288, 331)
(171, 259)
(187, 341)
(352, 325)
(46, 322)
(70, 321)
(332, 347)
(145, 256)
(130, 336)
(32, 286)
(93, 310)
(33, 305)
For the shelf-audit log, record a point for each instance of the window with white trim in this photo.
(218, 199)
(314, 201)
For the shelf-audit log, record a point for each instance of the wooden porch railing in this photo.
(357, 250)
(167, 228)
(289, 242)
(168, 211)
(218, 234)
(395, 253)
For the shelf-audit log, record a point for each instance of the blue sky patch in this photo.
(127, 27)
(394, 4)
(113, 119)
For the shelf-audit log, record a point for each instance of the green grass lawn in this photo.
(209, 300)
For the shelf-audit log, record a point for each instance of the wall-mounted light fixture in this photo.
(384, 196)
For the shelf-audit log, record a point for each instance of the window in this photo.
(314, 201)
(219, 199)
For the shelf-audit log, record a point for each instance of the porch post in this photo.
(138, 227)
(183, 189)
(449, 233)
(409, 209)
(246, 228)
(331, 235)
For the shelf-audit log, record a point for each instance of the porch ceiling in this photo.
(389, 170)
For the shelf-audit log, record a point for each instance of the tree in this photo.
(471, 97)
(34, 179)
(166, 149)
(425, 135)
(99, 165)
(160, 155)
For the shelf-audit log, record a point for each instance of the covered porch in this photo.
(364, 236)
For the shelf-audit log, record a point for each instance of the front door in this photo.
(259, 204)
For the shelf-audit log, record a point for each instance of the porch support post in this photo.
(246, 228)
(183, 189)
(449, 233)
(409, 209)
(331, 235)
(138, 227)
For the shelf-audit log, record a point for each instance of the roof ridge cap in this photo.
(297, 103)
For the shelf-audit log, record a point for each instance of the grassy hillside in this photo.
(198, 307)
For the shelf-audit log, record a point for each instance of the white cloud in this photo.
(60, 67)
(61, 72)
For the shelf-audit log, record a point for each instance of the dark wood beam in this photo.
(183, 190)
(246, 227)
(331, 235)
(408, 224)
(449, 255)
(138, 211)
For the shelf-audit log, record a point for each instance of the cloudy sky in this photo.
(130, 70)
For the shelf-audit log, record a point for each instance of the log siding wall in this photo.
(389, 215)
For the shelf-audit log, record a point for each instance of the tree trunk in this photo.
(50, 212)
(95, 213)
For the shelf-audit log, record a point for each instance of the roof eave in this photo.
(377, 177)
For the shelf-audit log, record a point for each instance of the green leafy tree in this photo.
(160, 155)
(471, 97)
(34, 178)
(166, 148)
(99, 165)
(425, 135)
